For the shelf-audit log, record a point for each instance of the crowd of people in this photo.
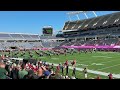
(40, 70)
(93, 42)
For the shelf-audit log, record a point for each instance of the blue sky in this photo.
(33, 21)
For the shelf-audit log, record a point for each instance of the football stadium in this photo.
(84, 49)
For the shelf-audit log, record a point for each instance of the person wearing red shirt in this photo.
(58, 68)
(74, 63)
(110, 76)
(66, 63)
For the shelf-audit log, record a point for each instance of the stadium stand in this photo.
(27, 41)
(77, 25)
(101, 25)
(4, 36)
(101, 30)
(19, 40)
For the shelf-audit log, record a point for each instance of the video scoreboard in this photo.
(47, 30)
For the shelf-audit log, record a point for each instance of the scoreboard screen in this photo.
(47, 31)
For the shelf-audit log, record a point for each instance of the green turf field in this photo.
(99, 61)
(105, 62)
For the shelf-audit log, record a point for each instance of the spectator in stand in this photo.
(7, 67)
(29, 75)
(3, 71)
(35, 76)
(44, 63)
(110, 76)
(22, 72)
(40, 63)
(52, 67)
(40, 72)
(46, 73)
(47, 67)
(14, 72)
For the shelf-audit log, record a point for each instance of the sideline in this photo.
(93, 72)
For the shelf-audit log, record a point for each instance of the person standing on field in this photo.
(110, 76)
(85, 72)
(62, 68)
(74, 72)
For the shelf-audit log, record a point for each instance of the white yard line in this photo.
(99, 62)
(108, 67)
(93, 60)
(55, 58)
(87, 61)
(109, 61)
(104, 62)
(102, 56)
(93, 71)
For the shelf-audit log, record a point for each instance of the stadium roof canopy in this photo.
(17, 33)
(18, 36)
(78, 12)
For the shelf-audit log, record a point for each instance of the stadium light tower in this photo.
(94, 13)
(69, 17)
(77, 16)
(74, 13)
(86, 15)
